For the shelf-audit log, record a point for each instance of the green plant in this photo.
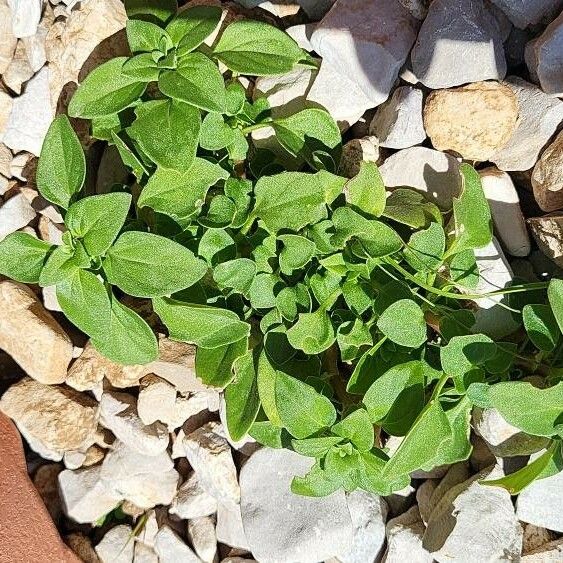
(329, 312)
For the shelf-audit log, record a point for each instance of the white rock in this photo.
(85, 497)
(548, 233)
(474, 522)
(141, 479)
(431, 172)
(9, 40)
(540, 503)
(400, 501)
(368, 513)
(35, 44)
(539, 117)
(547, 553)
(144, 554)
(118, 413)
(210, 455)
(397, 123)
(5, 157)
(171, 549)
(147, 535)
(503, 439)
(504, 203)
(31, 116)
(301, 34)
(201, 533)
(6, 103)
(156, 400)
(15, 214)
(117, 545)
(192, 501)
(25, 16)
(230, 530)
(523, 14)
(366, 42)
(547, 176)
(458, 42)
(19, 70)
(456, 474)
(404, 539)
(281, 526)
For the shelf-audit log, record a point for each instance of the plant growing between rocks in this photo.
(329, 312)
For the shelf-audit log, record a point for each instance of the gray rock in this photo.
(229, 527)
(192, 501)
(434, 173)
(25, 16)
(457, 473)
(201, 533)
(474, 522)
(523, 14)
(117, 545)
(547, 177)
(424, 496)
(538, 119)
(540, 503)
(548, 233)
(15, 214)
(367, 42)
(316, 9)
(400, 501)
(171, 549)
(301, 34)
(368, 512)
(458, 42)
(404, 539)
(397, 123)
(282, 527)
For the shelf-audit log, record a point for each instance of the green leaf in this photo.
(315, 447)
(410, 208)
(307, 134)
(357, 428)
(157, 11)
(167, 132)
(464, 271)
(181, 195)
(215, 134)
(63, 263)
(98, 219)
(313, 332)
(265, 433)
(139, 264)
(236, 97)
(425, 249)
(296, 253)
(555, 297)
(303, 411)
(291, 200)
(237, 274)
(216, 245)
(22, 257)
(365, 370)
(196, 81)
(267, 377)
(214, 366)
(314, 484)
(241, 397)
(256, 48)
(192, 26)
(105, 90)
(61, 169)
(146, 37)
(128, 157)
(343, 466)
(403, 323)
(353, 337)
(141, 68)
(535, 411)
(366, 190)
(209, 327)
(262, 292)
(541, 326)
(472, 216)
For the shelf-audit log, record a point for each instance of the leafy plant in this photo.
(331, 314)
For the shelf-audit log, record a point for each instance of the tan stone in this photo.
(6, 104)
(5, 159)
(82, 546)
(31, 335)
(46, 483)
(474, 120)
(548, 232)
(19, 70)
(547, 177)
(57, 417)
(9, 41)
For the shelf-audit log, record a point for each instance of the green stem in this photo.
(261, 125)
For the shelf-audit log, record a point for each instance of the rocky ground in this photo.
(133, 463)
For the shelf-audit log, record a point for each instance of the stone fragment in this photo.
(19, 70)
(404, 539)
(283, 527)
(171, 549)
(481, 455)
(397, 123)
(547, 553)
(538, 118)
(459, 42)
(457, 473)
(540, 503)
(156, 400)
(35, 44)
(548, 234)
(301, 34)
(210, 455)
(368, 513)
(6, 103)
(74, 459)
(5, 160)
(423, 496)
(25, 16)
(201, 533)
(230, 529)
(535, 537)
(474, 522)
(355, 151)
(434, 173)
(474, 120)
(15, 214)
(547, 177)
(530, 12)
(49, 231)
(18, 169)
(144, 554)
(82, 547)
(192, 501)
(46, 482)
(367, 43)
(147, 535)
(504, 204)
(117, 545)
(9, 40)
(141, 479)
(85, 497)
(118, 413)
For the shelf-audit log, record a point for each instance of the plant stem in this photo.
(261, 125)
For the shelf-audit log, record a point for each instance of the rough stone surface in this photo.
(366, 42)
(230, 530)
(82, 546)
(25, 16)
(6, 103)
(397, 123)
(368, 513)
(46, 482)
(538, 118)
(540, 503)
(283, 527)
(547, 177)
(431, 172)
(171, 549)
(530, 12)
(19, 70)
(548, 233)
(156, 400)
(201, 533)
(456, 474)
(355, 151)
(474, 120)
(458, 42)
(15, 214)
(504, 204)
(423, 498)
(9, 40)
(547, 553)
(404, 539)
(474, 522)
(535, 537)
(144, 554)
(192, 501)
(35, 44)
(117, 545)
(118, 413)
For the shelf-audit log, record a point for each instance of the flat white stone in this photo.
(25, 16)
(117, 545)
(404, 539)
(230, 530)
(144, 554)
(201, 533)
(192, 501)
(171, 549)
(15, 214)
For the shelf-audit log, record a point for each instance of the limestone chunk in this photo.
(192, 501)
(117, 545)
(547, 177)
